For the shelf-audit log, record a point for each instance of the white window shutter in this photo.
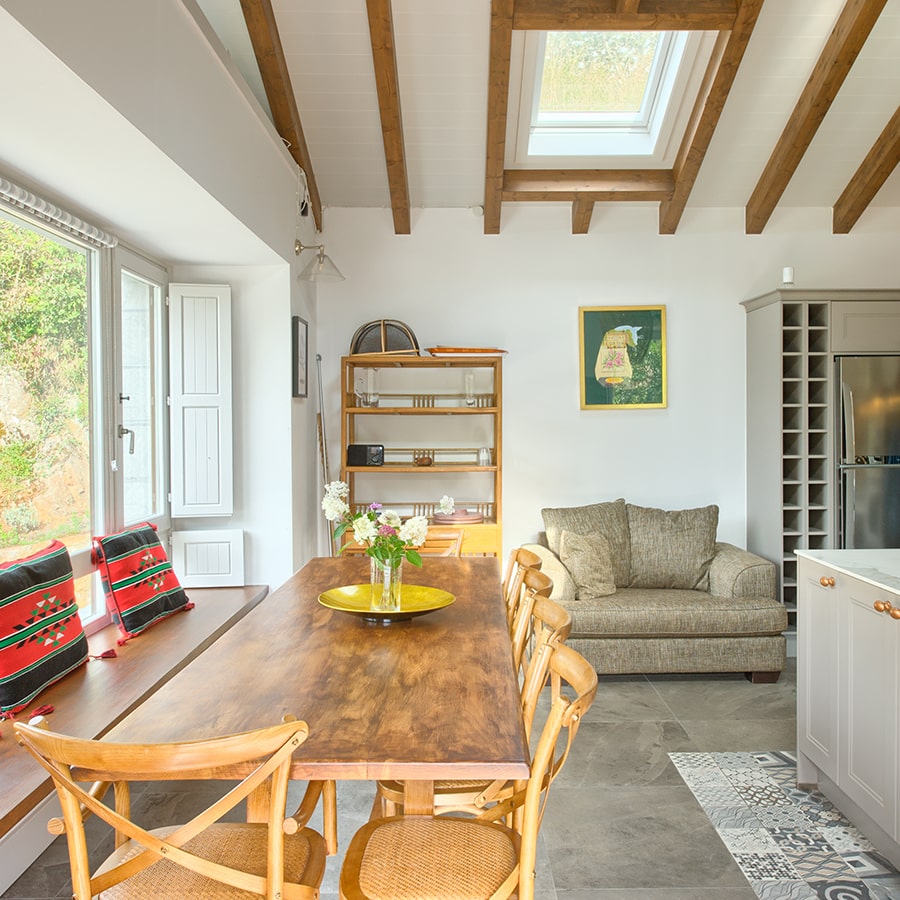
(200, 384)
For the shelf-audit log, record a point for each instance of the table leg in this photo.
(258, 801)
(418, 798)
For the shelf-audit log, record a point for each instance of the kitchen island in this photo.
(848, 686)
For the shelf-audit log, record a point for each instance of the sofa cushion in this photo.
(608, 519)
(645, 612)
(588, 558)
(672, 548)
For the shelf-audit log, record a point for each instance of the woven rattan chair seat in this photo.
(441, 858)
(238, 846)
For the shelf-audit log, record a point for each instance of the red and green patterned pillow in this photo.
(141, 588)
(41, 638)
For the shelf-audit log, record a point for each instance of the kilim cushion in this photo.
(41, 638)
(140, 586)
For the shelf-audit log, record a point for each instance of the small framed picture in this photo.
(623, 357)
(300, 331)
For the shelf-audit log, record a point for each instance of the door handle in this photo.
(122, 432)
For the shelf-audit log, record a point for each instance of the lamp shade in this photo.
(320, 268)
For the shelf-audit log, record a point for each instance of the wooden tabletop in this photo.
(433, 697)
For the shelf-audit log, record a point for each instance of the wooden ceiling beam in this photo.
(853, 26)
(582, 210)
(879, 163)
(263, 30)
(717, 82)
(606, 184)
(498, 102)
(381, 32)
(624, 15)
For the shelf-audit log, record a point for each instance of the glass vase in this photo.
(386, 578)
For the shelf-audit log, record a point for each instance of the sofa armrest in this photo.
(563, 585)
(740, 573)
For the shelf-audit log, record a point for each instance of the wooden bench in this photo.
(91, 700)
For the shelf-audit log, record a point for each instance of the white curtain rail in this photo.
(43, 209)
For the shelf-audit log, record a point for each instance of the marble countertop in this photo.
(880, 568)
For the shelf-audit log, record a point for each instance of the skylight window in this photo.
(614, 94)
(600, 78)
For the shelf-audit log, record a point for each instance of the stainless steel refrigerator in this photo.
(868, 449)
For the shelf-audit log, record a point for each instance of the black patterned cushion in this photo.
(41, 638)
(141, 588)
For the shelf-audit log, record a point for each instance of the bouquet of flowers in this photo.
(386, 538)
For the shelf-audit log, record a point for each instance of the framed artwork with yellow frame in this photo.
(623, 357)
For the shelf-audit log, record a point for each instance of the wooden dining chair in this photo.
(553, 624)
(473, 858)
(519, 560)
(205, 857)
(441, 541)
(534, 584)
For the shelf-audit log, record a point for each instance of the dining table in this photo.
(431, 697)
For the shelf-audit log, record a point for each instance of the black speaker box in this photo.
(365, 455)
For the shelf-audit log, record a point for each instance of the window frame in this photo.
(103, 290)
(615, 144)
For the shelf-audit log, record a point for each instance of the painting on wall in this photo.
(301, 347)
(623, 357)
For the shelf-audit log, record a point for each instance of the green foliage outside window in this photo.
(43, 380)
(596, 71)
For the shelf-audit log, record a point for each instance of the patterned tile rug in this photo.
(790, 844)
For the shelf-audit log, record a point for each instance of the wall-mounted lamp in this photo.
(320, 268)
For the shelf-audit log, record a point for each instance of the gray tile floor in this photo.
(620, 825)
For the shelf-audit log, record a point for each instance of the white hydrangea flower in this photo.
(414, 530)
(335, 508)
(446, 506)
(364, 530)
(390, 518)
(337, 489)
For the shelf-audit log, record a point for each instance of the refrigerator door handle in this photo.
(849, 431)
(848, 517)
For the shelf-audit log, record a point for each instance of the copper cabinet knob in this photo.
(879, 606)
(825, 581)
(895, 613)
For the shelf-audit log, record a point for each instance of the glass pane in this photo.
(596, 71)
(45, 485)
(139, 459)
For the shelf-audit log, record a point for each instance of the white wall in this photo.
(521, 291)
(165, 151)
(274, 435)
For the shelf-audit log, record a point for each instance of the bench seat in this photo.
(97, 696)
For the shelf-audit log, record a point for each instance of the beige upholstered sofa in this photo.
(652, 590)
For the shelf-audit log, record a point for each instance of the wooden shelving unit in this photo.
(435, 418)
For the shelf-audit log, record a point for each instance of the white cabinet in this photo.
(793, 337)
(848, 685)
(817, 670)
(868, 754)
(869, 327)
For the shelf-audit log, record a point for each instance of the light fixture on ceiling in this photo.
(320, 268)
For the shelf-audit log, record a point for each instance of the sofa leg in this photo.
(762, 677)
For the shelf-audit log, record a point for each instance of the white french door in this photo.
(140, 460)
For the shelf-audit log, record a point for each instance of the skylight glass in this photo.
(601, 93)
(597, 76)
